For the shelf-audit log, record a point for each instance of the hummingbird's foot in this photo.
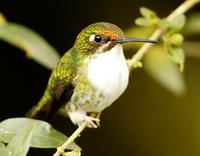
(92, 122)
(80, 116)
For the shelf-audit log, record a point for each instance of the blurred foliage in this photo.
(192, 25)
(149, 18)
(23, 133)
(157, 65)
(35, 46)
(173, 40)
(171, 37)
(191, 48)
(192, 28)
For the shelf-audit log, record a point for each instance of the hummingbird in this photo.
(90, 76)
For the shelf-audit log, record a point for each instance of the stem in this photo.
(183, 8)
(61, 149)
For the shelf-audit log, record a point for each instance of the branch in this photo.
(61, 149)
(183, 8)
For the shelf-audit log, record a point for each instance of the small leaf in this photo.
(177, 23)
(164, 23)
(141, 21)
(172, 43)
(174, 25)
(31, 42)
(43, 135)
(149, 14)
(164, 71)
(177, 55)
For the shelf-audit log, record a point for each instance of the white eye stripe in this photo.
(91, 39)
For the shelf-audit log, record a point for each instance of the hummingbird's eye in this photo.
(97, 39)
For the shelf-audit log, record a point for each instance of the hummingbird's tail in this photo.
(32, 112)
(51, 102)
(42, 106)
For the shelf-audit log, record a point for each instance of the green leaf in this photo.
(177, 55)
(174, 25)
(20, 143)
(3, 150)
(35, 46)
(164, 23)
(43, 135)
(149, 17)
(2, 145)
(149, 14)
(177, 23)
(141, 21)
(157, 65)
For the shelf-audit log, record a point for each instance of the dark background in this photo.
(147, 120)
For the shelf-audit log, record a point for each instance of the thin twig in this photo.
(183, 8)
(61, 149)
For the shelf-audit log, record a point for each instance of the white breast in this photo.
(108, 73)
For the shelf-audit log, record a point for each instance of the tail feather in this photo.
(38, 110)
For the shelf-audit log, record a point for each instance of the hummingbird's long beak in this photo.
(128, 39)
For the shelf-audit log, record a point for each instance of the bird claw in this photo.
(79, 116)
(92, 122)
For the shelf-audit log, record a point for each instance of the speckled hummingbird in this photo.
(90, 76)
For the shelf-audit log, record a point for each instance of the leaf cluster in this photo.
(22, 133)
(172, 38)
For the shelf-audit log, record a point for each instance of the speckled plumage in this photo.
(89, 77)
(70, 75)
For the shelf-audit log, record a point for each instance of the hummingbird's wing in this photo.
(61, 96)
(59, 89)
(61, 84)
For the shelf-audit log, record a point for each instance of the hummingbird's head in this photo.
(101, 37)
